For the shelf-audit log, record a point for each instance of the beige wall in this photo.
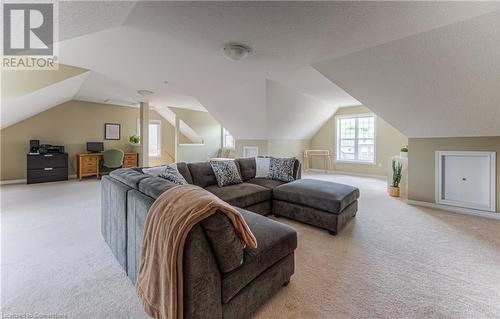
(274, 147)
(207, 128)
(388, 143)
(288, 148)
(72, 124)
(240, 144)
(421, 162)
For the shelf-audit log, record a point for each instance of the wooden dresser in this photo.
(88, 163)
(43, 168)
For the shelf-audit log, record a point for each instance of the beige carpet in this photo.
(393, 261)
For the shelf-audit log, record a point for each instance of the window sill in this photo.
(154, 156)
(355, 162)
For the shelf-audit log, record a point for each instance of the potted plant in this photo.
(403, 153)
(134, 140)
(396, 178)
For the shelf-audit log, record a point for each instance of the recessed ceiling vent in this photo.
(235, 51)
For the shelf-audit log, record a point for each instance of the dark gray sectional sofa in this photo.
(221, 280)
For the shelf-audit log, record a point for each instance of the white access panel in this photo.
(466, 179)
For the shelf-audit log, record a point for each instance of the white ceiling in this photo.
(131, 46)
(299, 109)
(435, 84)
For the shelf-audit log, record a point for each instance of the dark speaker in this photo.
(34, 145)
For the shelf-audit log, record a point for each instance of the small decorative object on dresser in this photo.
(396, 178)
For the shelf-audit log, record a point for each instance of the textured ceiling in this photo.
(436, 84)
(140, 45)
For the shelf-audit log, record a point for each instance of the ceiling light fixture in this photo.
(235, 51)
(145, 93)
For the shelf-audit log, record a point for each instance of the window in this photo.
(227, 139)
(154, 137)
(356, 138)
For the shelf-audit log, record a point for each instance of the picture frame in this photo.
(112, 131)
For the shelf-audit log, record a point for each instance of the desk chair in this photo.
(111, 160)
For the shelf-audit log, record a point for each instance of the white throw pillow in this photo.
(262, 165)
(157, 170)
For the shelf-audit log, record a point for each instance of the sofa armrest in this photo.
(201, 274)
(202, 278)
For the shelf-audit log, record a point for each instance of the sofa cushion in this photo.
(262, 165)
(241, 195)
(154, 170)
(182, 167)
(224, 241)
(128, 176)
(266, 182)
(226, 172)
(202, 173)
(326, 196)
(274, 242)
(154, 186)
(247, 168)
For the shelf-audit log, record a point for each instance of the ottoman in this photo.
(319, 203)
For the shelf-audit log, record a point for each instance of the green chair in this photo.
(111, 160)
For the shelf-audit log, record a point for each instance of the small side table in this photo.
(325, 154)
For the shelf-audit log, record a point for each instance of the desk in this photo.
(88, 163)
(325, 154)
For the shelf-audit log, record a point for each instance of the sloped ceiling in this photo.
(30, 104)
(288, 111)
(445, 82)
(18, 83)
(141, 45)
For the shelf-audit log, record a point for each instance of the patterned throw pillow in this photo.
(172, 174)
(281, 169)
(226, 172)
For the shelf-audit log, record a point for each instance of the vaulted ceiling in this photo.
(308, 59)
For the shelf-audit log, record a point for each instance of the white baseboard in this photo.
(317, 170)
(23, 180)
(458, 210)
(13, 181)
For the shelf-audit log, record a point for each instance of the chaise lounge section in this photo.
(322, 204)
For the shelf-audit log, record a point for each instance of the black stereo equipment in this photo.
(34, 145)
(50, 149)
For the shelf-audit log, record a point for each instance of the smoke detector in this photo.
(235, 51)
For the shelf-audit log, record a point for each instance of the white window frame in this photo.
(224, 139)
(356, 138)
(138, 132)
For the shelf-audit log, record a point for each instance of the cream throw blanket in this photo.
(170, 218)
